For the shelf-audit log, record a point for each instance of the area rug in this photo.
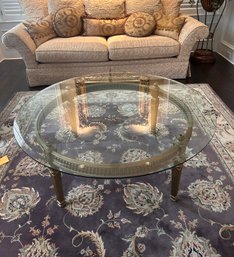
(119, 218)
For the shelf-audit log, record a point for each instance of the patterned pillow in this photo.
(168, 26)
(110, 9)
(171, 7)
(55, 5)
(139, 24)
(149, 6)
(41, 30)
(28, 7)
(104, 27)
(67, 22)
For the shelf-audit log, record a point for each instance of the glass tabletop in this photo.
(115, 125)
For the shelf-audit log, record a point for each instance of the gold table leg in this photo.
(175, 181)
(58, 187)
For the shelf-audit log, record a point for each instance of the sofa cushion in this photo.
(168, 26)
(41, 30)
(67, 22)
(171, 8)
(55, 5)
(103, 27)
(34, 9)
(123, 47)
(73, 49)
(140, 24)
(111, 9)
(149, 6)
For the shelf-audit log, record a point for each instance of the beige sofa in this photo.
(61, 58)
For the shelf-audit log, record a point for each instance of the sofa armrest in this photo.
(19, 39)
(192, 31)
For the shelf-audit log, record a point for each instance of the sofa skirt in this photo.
(48, 74)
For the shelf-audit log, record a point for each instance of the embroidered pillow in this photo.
(110, 9)
(55, 5)
(139, 24)
(171, 7)
(168, 26)
(104, 27)
(41, 30)
(149, 6)
(67, 22)
(28, 7)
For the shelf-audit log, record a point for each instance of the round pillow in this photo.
(139, 24)
(67, 22)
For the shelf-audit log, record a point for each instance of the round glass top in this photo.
(115, 125)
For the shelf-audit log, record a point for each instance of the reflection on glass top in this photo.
(115, 125)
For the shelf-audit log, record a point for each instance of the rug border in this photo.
(8, 108)
(218, 99)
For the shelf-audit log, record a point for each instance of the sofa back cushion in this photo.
(103, 27)
(34, 9)
(171, 7)
(55, 5)
(111, 9)
(149, 6)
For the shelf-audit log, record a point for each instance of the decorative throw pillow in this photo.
(104, 27)
(171, 7)
(139, 24)
(41, 30)
(168, 26)
(55, 5)
(149, 6)
(110, 9)
(67, 22)
(34, 9)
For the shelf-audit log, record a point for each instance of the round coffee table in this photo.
(115, 125)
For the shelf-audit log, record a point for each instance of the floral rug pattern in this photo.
(122, 218)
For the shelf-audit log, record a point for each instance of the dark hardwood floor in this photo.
(220, 76)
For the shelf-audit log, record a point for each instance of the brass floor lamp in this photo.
(204, 52)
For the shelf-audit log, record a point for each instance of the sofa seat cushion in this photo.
(74, 49)
(123, 47)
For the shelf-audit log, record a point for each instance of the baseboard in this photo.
(12, 58)
(226, 50)
(226, 58)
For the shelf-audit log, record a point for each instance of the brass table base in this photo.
(175, 181)
(58, 186)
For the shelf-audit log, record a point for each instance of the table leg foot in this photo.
(58, 187)
(174, 198)
(175, 181)
(61, 204)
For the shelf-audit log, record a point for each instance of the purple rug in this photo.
(119, 218)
